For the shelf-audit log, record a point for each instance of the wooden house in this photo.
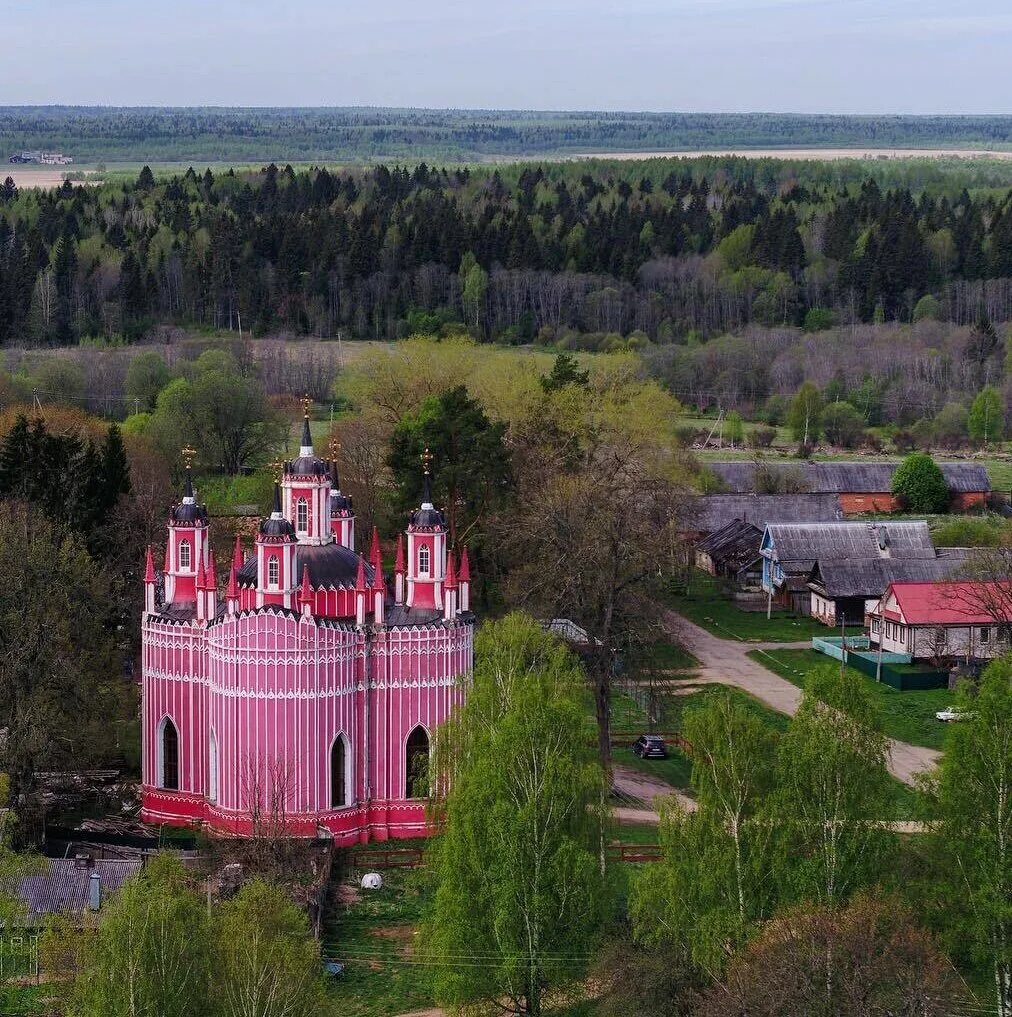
(732, 553)
(791, 552)
(967, 620)
(844, 589)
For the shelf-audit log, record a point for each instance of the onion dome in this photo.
(308, 464)
(277, 525)
(188, 511)
(428, 516)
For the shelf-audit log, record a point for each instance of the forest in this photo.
(670, 250)
(132, 134)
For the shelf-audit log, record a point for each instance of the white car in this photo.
(950, 713)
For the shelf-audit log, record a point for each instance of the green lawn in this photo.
(705, 605)
(373, 937)
(665, 656)
(907, 716)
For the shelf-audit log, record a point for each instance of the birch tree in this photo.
(265, 960)
(149, 954)
(833, 791)
(518, 887)
(714, 884)
(974, 835)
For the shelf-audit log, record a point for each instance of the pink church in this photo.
(307, 696)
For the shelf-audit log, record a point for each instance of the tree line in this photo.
(541, 251)
(227, 135)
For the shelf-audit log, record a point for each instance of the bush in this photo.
(950, 426)
(927, 307)
(919, 485)
(818, 319)
(903, 440)
(762, 437)
(842, 424)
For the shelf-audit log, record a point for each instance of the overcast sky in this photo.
(867, 56)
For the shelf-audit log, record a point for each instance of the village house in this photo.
(70, 887)
(843, 589)
(860, 487)
(966, 620)
(791, 552)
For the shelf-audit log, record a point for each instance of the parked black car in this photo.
(650, 747)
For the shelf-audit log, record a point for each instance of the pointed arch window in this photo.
(302, 515)
(416, 776)
(273, 572)
(424, 560)
(184, 556)
(339, 793)
(212, 769)
(168, 756)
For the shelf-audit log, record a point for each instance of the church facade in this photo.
(304, 700)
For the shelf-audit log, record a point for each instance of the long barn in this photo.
(860, 487)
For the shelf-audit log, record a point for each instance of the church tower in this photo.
(305, 487)
(276, 544)
(426, 555)
(342, 515)
(186, 553)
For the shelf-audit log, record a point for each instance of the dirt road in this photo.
(725, 662)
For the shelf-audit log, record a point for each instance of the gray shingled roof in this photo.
(844, 477)
(870, 577)
(715, 511)
(798, 546)
(63, 886)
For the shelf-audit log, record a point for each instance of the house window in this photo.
(876, 625)
(423, 560)
(273, 572)
(338, 774)
(985, 634)
(168, 756)
(184, 556)
(212, 769)
(416, 777)
(302, 515)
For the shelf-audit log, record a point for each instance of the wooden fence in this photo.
(413, 858)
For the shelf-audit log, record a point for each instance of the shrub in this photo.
(842, 424)
(919, 485)
(818, 319)
(762, 437)
(927, 307)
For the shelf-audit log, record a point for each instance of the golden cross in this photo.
(189, 454)
(276, 467)
(306, 403)
(427, 460)
(334, 445)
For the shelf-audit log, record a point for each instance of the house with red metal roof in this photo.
(961, 620)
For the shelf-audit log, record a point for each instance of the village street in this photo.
(726, 662)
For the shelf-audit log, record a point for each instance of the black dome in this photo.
(276, 528)
(339, 502)
(307, 466)
(329, 565)
(427, 517)
(189, 512)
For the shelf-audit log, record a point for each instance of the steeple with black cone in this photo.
(187, 549)
(342, 513)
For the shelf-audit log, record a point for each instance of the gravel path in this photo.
(726, 662)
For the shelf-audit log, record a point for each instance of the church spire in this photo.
(306, 448)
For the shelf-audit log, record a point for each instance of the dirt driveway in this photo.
(726, 662)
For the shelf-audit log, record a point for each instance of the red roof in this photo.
(957, 603)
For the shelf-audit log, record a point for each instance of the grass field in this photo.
(907, 716)
(705, 605)
(373, 938)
